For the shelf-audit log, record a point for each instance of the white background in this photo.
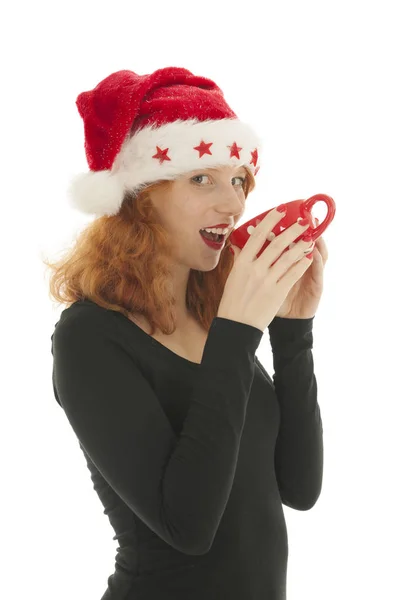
(320, 82)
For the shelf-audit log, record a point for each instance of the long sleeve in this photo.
(299, 446)
(178, 486)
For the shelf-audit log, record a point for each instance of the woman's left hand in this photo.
(303, 299)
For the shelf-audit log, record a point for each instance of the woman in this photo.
(192, 447)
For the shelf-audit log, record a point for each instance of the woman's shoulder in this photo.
(83, 315)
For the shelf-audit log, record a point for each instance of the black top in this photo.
(193, 462)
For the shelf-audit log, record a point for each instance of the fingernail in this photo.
(282, 208)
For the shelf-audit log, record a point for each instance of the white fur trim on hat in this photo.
(102, 192)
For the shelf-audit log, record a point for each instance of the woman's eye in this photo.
(243, 179)
(198, 177)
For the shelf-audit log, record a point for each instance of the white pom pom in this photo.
(97, 193)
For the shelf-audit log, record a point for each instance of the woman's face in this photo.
(196, 200)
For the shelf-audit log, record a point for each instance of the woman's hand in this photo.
(303, 298)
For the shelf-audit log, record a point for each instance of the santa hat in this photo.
(143, 128)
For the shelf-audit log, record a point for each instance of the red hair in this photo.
(120, 262)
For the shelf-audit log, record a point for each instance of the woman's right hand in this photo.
(254, 290)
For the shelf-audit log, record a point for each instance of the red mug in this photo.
(296, 210)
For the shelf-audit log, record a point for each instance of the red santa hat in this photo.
(144, 128)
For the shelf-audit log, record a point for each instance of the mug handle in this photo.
(330, 205)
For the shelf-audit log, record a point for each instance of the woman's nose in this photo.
(231, 204)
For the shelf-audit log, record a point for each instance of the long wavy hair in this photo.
(121, 263)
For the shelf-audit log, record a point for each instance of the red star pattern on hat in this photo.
(254, 159)
(161, 154)
(234, 150)
(203, 148)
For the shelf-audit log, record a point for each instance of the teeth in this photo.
(219, 231)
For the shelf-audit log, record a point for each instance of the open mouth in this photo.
(213, 237)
